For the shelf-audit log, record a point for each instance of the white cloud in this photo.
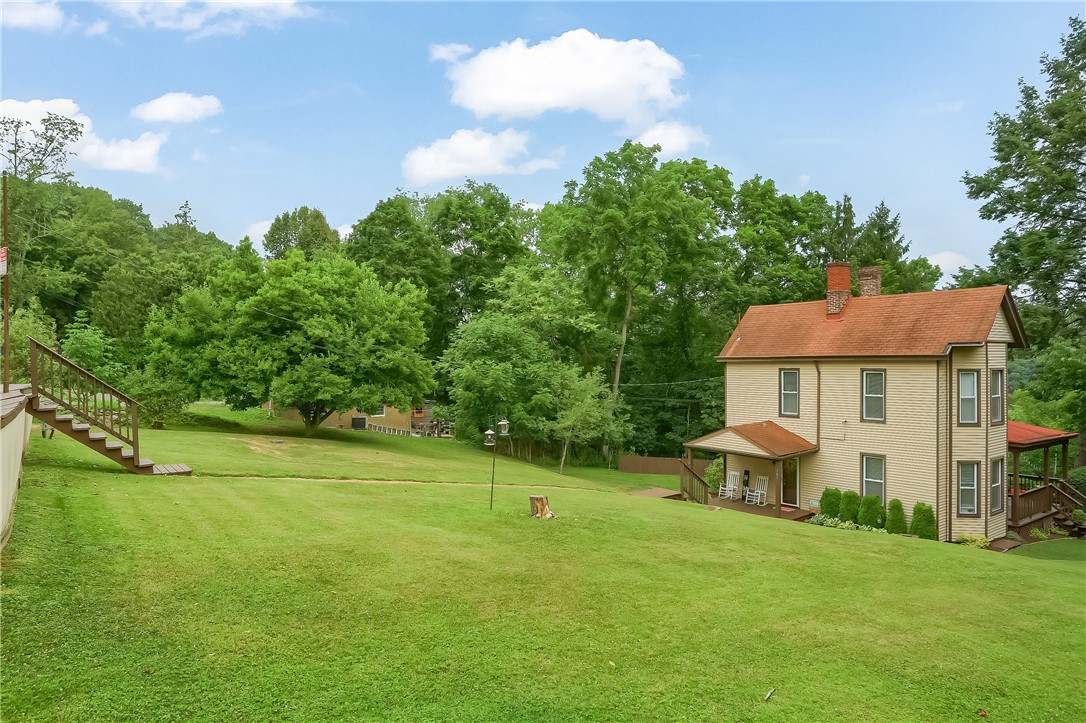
(198, 155)
(954, 106)
(471, 153)
(449, 53)
(98, 27)
(615, 80)
(344, 230)
(673, 137)
(804, 180)
(32, 15)
(178, 108)
(139, 154)
(201, 19)
(256, 233)
(949, 262)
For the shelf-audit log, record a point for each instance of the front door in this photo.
(790, 491)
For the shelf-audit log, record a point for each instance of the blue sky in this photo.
(249, 110)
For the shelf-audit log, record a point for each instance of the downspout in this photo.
(938, 440)
(950, 445)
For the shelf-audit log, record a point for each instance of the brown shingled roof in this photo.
(776, 441)
(920, 324)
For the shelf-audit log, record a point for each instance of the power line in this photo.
(664, 384)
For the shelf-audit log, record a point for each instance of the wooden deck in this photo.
(769, 510)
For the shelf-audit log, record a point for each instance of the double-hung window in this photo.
(997, 480)
(967, 397)
(996, 390)
(789, 392)
(967, 488)
(874, 395)
(874, 476)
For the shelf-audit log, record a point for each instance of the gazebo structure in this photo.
(1037, 504)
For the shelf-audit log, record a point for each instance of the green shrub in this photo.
(978, 541)
(871, 513)
(714, 474)
(895, 518)
(1038, 534)
(1058, 531)
(1079, 517)
(830, 503)
(160, 398)
(850, 506)
(827, 521)
(924, 522)
(1012, 535)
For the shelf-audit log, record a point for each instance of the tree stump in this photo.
(540, 507)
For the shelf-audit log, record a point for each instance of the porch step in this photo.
(172, 469)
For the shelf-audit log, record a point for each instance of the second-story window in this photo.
(967, 397)
(789, 383)
(996, 390)
(874, 393)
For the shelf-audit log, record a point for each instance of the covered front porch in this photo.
(762, 462)
(1036, 499)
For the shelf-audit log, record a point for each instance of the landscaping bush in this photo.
(895, 518)
(978, 541)
(1038, 534)
(827, 521)
(924, 522)
(850, 506)
(1079, 517)
(1058, 531)
(871, 513)
(714, 474)
(830, 503)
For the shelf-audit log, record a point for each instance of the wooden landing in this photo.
(1003, 544)
(172, 469)
(658, 492)
(769, 510)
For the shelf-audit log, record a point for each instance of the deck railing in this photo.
(84, 395)
(1032, 502)
(691, 485)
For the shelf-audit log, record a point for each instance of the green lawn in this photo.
(255, 598)
(1067, 550)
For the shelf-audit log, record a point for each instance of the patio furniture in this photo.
(757, 496)
(729, 489)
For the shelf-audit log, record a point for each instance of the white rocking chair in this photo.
(757, 494)
(729, 489)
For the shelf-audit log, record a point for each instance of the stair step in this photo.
(63, 417)
(80, 427)
(111, 445)
(96, 436)
(144, 462)
(172, 469)
(127, 454)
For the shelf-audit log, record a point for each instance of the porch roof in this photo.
(758, 439)
(1023, 437)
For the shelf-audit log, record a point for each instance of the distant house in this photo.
(900, 396)
(383, 418)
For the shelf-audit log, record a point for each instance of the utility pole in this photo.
(7, 307)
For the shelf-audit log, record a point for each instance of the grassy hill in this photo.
(258, 598)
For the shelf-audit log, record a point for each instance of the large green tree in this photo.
(305, 229)
(1037, 184)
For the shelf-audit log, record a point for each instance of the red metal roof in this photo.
(769, 436)
(1028, 435)
(920, 324)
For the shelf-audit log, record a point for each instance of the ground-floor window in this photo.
(967, 488)
(874, 476)
(998, 477)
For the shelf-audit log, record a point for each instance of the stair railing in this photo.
(691, 485)
(84, 395)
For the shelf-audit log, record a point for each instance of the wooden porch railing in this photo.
(1031, 502)
(84, 395)
(691, 485)
(1067, 495)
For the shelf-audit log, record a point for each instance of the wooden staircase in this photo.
(76, 403)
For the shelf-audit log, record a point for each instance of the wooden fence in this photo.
(657, 465)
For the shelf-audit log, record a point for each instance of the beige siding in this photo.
(1001, 330)
(942, 460)
(757, 467)
(342, 420)
(907, 439)
(752, 395)
(997, 438)
(733, 442)
(970, 443)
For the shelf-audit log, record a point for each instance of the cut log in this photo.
(540, 507)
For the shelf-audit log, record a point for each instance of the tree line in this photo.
(590, 324)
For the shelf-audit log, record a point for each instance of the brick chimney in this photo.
(838, 287)
(871, 281)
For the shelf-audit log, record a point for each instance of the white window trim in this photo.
(975, 487)
(974, 398)
(865, 479)
(381, 414)
(780, 401)
(995, 391)
(998, 485)
(866, 396)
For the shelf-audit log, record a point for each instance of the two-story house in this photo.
(901, 396)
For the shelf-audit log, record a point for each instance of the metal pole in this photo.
(493, 463)
(7, 340)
